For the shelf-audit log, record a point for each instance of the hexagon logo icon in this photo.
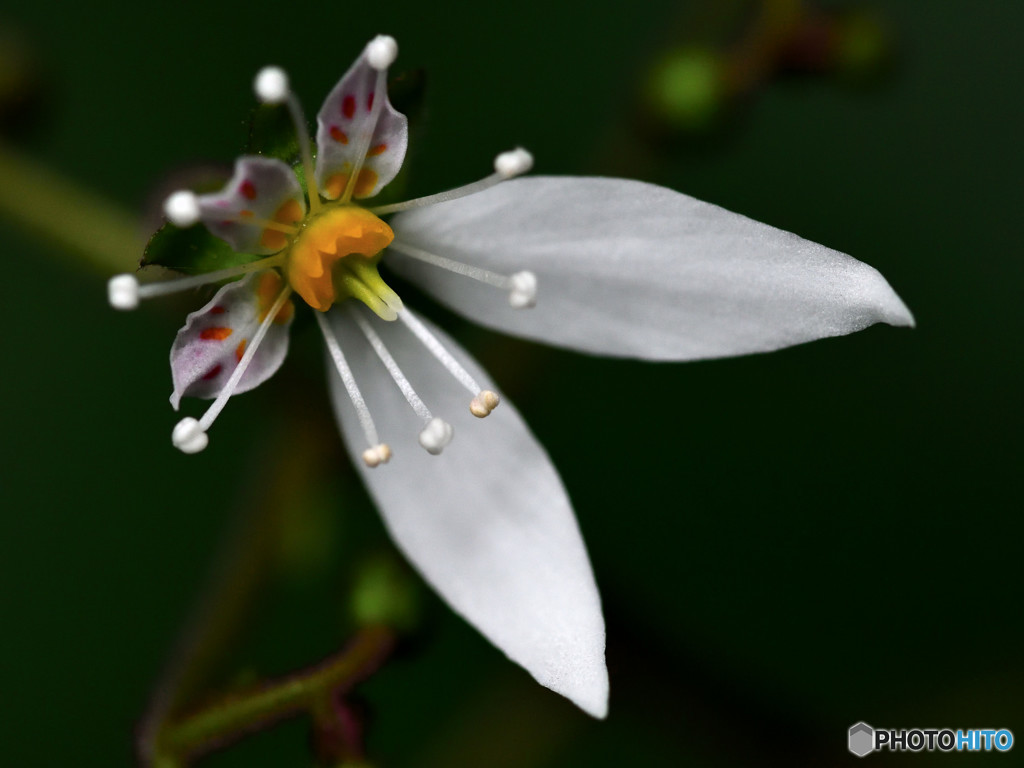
(861, 739)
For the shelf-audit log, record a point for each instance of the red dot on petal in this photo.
(218, 311)
(213, 372)
(369, 102)
(348, 106)
(215, 334)
(339, 135)
(248, 190)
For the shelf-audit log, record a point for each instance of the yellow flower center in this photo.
(335, 256)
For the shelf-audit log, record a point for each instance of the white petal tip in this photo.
(377, 455)
(905, 318)
(589, 693)
(123, 292)
(436, 435)
(524, 290)
(271, 85)
(513, 163)
(597, 709)
(182, 208)
(381, 52)
(188, 436)
(482, 405)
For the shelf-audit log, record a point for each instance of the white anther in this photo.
(513, 163)
(188, 436)
(436, 435)
(182, 208)
(377, 455)
(382, 51)
(524, 290)
(271, 85)
(482, 405)
(123, 292)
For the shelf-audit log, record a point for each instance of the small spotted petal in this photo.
(342, 124)
(208, 348)
(262, 188)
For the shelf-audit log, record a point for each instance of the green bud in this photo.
(385, 592)
(687, 88)
(864, 44)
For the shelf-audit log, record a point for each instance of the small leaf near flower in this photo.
(193, 250)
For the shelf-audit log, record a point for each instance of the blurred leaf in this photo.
(192, 250)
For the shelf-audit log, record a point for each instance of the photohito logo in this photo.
(863, 739)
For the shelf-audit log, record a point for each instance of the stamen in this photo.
(524, 290)
(182, 209)
(484, 400)
(124, 291)
(189, 435)
(522, 286)
(507, 165)
(272, 87)
(482, 405)
(437, 433)
(378, 452)
(380, 52)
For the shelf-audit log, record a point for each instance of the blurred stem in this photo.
(238, 713)
(95, 230)
(250, 557)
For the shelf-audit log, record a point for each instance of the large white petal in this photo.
(487, 523)
(631, 269)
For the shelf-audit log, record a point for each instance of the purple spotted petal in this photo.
(344, 121)
(261, 188)
(208, 348)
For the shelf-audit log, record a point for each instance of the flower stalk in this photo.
(78, 220)
(238, 713)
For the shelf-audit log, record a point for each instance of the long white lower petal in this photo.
(487, 522)
(631, 269)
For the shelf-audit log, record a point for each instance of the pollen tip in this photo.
(524, 290)
(382, 51)
(513, 163)
(482, 405)
(189, 436)
(436, 435)
(182, 208)
(123, 292)
(377, 455)
(271, 85)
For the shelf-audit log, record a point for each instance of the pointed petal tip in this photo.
(581, 676)
(891, 309)
(903, 317)
(594, 698)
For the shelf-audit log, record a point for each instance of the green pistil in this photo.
(357, 277)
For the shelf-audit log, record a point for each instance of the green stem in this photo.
(73, 217)
(238, 713)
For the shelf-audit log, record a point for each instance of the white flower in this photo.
(599, 265)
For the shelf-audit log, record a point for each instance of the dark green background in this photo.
(785, 544)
